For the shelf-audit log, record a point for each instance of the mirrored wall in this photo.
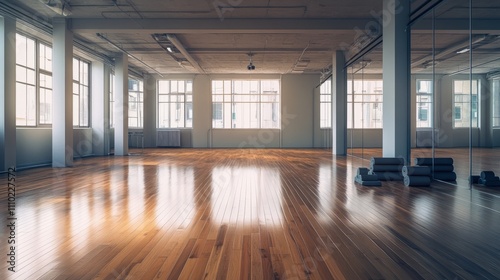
(455, 88)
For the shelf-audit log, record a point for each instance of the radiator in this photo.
(168, 138)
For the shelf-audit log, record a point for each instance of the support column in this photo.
(396, 119)
(62, 96)
(339, 105)
(149, 127)
(121, 105)
(100, 108)
(7, 93)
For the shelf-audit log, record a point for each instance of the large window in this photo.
(424, 103)
(175, 103)
(245, 104)
(465, 104)
(45, 78)
(25, 81)
(135, 103)
(364, 104)
(325, 102)
(495, 91)
(81, 94)
(111, 100)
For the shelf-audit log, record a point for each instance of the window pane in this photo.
(76, 110)
(135, 104)
(21, 49)
(45, 106)
(21, 74)
(21, 109)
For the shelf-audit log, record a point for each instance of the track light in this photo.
(250, 66)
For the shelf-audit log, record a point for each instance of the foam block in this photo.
(420, 181)
(436, 161)
(386, 168)
(487, 175)
(416, 171)
(445, 176)
(363, 171)
(386, 161)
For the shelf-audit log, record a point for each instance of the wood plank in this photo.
(250, 213)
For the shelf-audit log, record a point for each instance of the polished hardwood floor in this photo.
(244, 214)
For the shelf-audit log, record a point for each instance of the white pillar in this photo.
(396, 104)
(7, 93)
(149, 128)
(339, 105)
(62, 97)
(100, 108)
(121, 105)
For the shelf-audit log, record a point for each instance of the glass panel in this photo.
(21, 101)
(163, 120)
(45, 106)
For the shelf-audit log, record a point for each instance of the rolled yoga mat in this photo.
(441, 168)
(367, 177)
(389, 176)
(492, 183)
(416, 171)
(474, 179)
(417, 181)
(386, 161)
(363, 171)
(445, 176)
(487, 175)
(358, 179)
(386, 168)
(437, 161)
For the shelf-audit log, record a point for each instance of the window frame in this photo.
(467, 105)
(186, 102)
(79, 87)
(34, 85)
(325, 103)
(427, 105)
(139, 102)
(354, 97)
(495, 92)
(250, 96)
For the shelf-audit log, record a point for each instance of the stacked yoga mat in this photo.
(416, 176)
(441, 168)
(489, 179)
(387, 169)
(365, 179)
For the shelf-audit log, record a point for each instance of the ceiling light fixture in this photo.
(463, 50)
(61, 7)
(250, 66)
(169, 49)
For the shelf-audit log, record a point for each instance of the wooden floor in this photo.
(244, 214)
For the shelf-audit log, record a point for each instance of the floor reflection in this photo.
(246, 195)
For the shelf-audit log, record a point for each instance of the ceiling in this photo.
(295, 36)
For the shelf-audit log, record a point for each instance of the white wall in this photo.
(34, 145)
(297, 94)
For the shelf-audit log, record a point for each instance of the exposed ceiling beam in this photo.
(263, 26)
(185, 26)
